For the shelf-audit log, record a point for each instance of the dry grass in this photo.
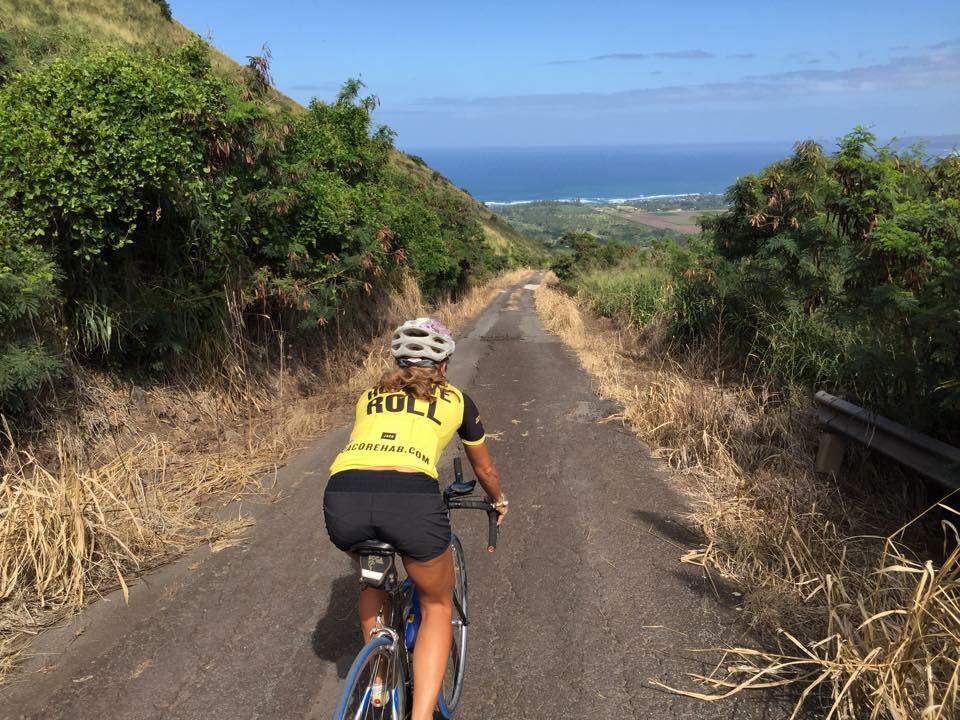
(61, 25)
(866, 625)
(140, 476)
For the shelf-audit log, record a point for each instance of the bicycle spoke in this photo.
(364, 704)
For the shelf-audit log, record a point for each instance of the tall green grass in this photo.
(634, 291)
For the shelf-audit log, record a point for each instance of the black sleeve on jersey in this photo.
(471, 429)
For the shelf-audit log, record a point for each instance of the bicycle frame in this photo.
(404, 623)
(397, 633)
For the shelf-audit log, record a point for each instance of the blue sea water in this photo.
(598, 174)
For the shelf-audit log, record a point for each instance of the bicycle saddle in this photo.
(373, 547)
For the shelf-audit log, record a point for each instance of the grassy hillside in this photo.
(637, 222)
(549, 221)
(132, 22)
(500, 235)
(38, 29)
(32, 31)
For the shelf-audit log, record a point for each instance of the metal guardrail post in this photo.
(929, 457)
(830, 452)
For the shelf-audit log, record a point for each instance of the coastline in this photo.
(599, 200)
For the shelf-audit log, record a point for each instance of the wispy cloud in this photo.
(662, 55)
(742, 56)
(564, 62)
(938, 67)
(621, 56)
(685, 55)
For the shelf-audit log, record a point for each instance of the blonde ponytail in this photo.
(419, 382)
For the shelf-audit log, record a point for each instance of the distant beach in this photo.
(598, 175)
(597, 201)
(615, 174)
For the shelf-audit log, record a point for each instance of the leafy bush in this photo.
(587, 253)
(138, 192)
(118, 166)
(28, 294)
(442, 238)
(841, 272)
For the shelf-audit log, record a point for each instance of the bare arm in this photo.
(486, 473)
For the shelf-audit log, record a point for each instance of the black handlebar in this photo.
(492, 515)
(461, 500)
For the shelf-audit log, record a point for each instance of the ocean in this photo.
(598, 174)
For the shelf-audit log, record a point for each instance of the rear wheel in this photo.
(452, 688)
(375, 662)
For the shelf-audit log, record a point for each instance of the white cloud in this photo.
(938, 66)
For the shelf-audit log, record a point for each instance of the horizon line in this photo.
(917, 137)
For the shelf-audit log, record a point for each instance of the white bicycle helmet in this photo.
(423, 342)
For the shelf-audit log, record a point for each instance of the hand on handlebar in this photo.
(502, 506)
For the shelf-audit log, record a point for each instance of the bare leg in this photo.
(372, 602)
(434, 580)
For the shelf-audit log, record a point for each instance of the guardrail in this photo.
(840, 419)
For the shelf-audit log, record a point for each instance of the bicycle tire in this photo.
(452, 688)
(355, 703)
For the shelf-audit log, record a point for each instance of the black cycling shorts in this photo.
(403, 509)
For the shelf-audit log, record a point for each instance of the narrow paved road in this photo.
(584, 603)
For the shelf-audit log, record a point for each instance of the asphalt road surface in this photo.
(584, 602)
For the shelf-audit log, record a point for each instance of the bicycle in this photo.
(387, 657)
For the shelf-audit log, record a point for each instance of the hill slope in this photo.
(500, 235)
(37, 29)
(34, 30)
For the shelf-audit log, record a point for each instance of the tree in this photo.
(165, 10)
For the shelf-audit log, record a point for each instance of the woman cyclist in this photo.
(384, 486)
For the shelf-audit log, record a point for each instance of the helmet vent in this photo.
(422, 339)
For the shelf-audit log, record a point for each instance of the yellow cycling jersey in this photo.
(393, 429)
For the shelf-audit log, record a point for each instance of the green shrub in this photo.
(840, 272)
(587, 253)
(117, 166)
(29, 354)
(438, 232)
(139, 191)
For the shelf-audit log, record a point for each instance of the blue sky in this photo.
(453, 74)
